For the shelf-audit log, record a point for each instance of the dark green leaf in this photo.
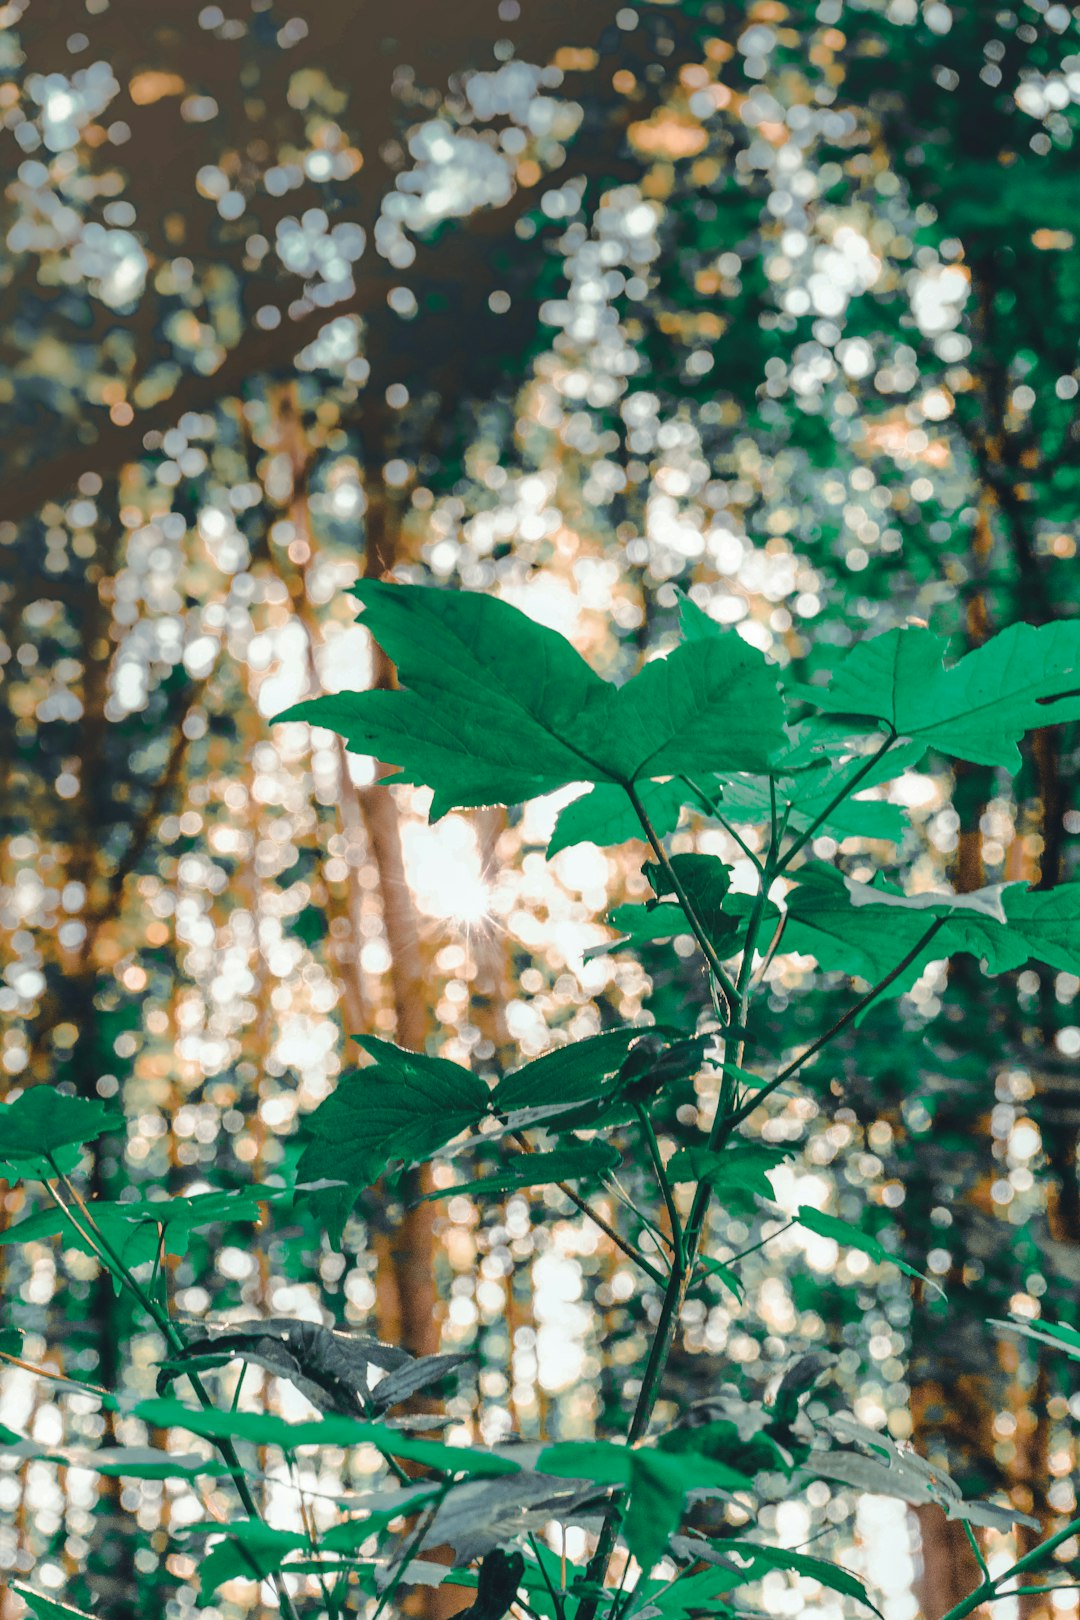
(587, 1159)
(706, 882)
(654, 1511)
(250, 1551)
(649, 923)
(500, 1576)
(741, 1165)
(40, 1122)
(403, 1109)
(568, 1075)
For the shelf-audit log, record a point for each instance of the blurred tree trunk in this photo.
(411, 1245)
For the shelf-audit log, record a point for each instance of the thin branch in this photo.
(555, 1598)
(105, 1251)
(707, 947)
(774, 946)
(662, 1179)
(841, 1023)
(606, 1227)
(838, 798)
(711, 807)
(976, 1550)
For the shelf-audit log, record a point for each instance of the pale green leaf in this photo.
(605, 815)
(832, 1576)
(46, 1608)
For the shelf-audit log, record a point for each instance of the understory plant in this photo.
(493, 709)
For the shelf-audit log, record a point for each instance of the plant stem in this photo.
(165, 1326)
(682, 1268)
(662, 1178)
(556, 1600)
(987, 1591)
(754, 1247)
(700, 933)
(838, 798)
(973, 1543)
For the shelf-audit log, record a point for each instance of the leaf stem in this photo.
(682, 1268)
(973, 1543)
(663, 1180)
(556, 1600)
(838, 798)
(606, 1227)
(852, 1013)
(167, 1328)
(988, 1591)
(711, 808)
(700, 933)
(754, 1247)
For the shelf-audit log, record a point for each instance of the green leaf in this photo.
(741, 1166)
(658, 1482)
(46, 1608)
(865, 930)
(498, 709)
(568, 1075)
(654, 1511)
(694, 622)
(648, 924)
(404, 1108)
(267, 1429)
(1046, 923)
(706, 882)
(831, 1226)
(11, 1339)
(349, 1534)
(810, 787)
(605, 815)
(832, 1576)
(730, 1279)
(133, 1228)
(41, 1121)
(251, 1551)
(588, 1159)
(1058, 1335)
(643, 925)
(611, 1464)
(978, 708)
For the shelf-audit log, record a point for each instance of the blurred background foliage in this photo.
(774, 302)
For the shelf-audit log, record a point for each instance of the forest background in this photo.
(775, 304)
